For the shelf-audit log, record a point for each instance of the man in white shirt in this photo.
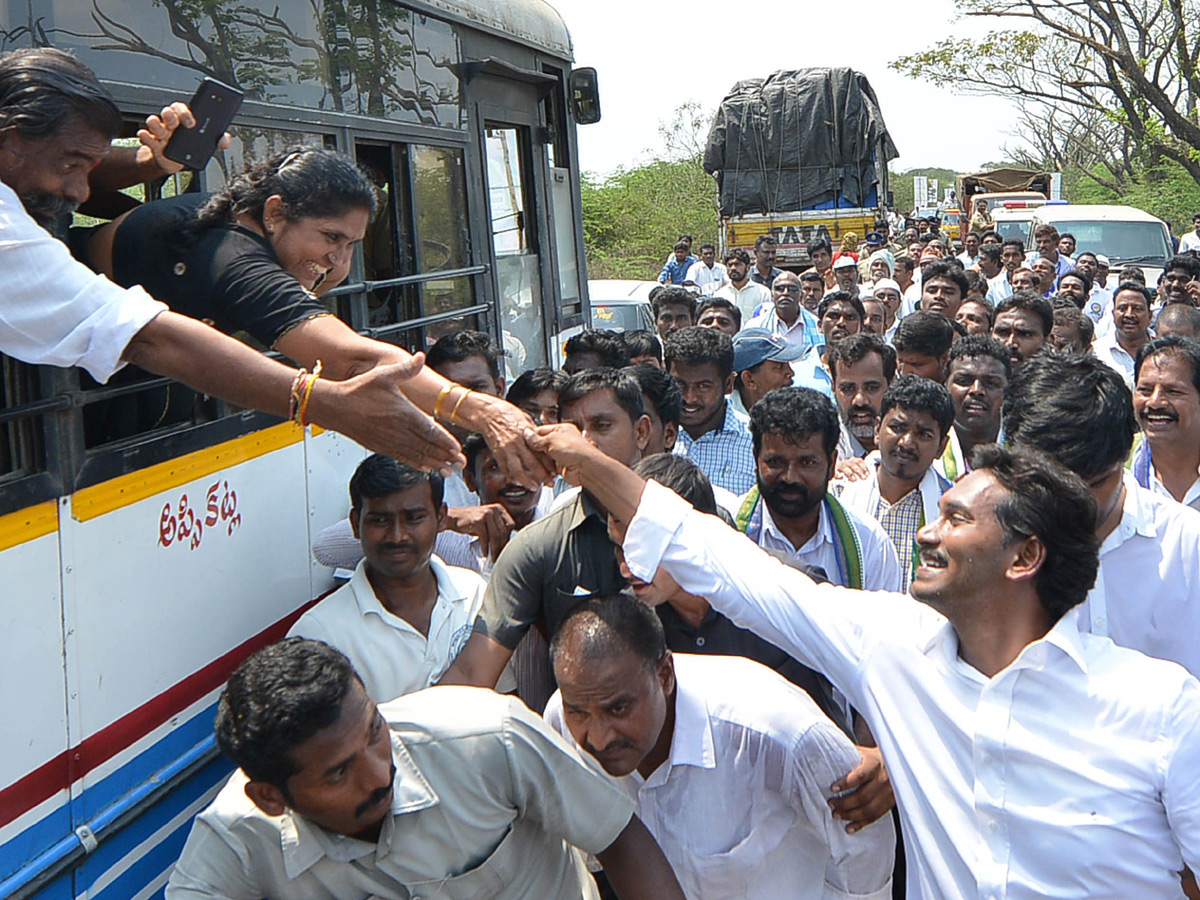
(730, 765)
(795, 435)
(452, 792)
(1004, 728)
(56, 124)
(970, 254)
(707, 274)
(1077, 410)
(1166, 401)
(1098, 306)
(742, 290)
(787, 317)
(1191, 240)
(1131, 329)
(405, 615)
(902, 489)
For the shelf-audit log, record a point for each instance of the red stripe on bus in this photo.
(65, 769)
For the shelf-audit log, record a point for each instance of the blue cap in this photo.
(874, 237)
(753, 346)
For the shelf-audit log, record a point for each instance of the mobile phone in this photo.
(214, 105)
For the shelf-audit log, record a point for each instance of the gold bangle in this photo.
(441, 398)
(454, 412)
(316, 373)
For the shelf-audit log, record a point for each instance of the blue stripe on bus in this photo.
(35, 839)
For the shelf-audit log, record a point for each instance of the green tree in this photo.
(901, 184)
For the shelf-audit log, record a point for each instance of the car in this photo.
(1126, 235)
(621, 305)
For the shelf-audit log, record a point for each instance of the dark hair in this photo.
(625, 389)
(1185, 261)
(607, 344)
(531, 383)
(905, 260)
(463, 345)
(992, 232)
(1044, 500)
(1066, 234)
(943, 269)
(1129, 274)
(1074, 407)
(696, 345)
(1172, 345)
(1046, 230)
(991, 251)
(763, 240)
(44, 90)
(975, 282)
(854, 349)
(686, 238)
(681, 245)
(311, 181)
(673, 295)
(379, 475)
(1082, 276)
(974, 234)
(611, 625)
(795, 413)
(643, 343)
(1013, 242)
(737, 254)
(1082, 253)
(281, 696)
(977, 345)
(707, 246)
(1030, 302)
(721, 303)
(987, 307)
(840, 297)
(1147, 294)
(1070, 314)
(811, 275)
(916, 394)
(925, 332)
(818, 244)
(682, 476)
(1178, 314)
(960, 330)
(471, 448)
(661, 389)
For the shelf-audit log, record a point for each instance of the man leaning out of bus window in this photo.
(452, 792)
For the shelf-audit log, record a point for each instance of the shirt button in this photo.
(1100, 621)
(699, 642)
(180, 268)
(992, 827)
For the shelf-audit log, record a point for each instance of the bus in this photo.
(151, 538)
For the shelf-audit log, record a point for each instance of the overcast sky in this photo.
(650, 61)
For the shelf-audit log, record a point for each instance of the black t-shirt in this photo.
(227, 275)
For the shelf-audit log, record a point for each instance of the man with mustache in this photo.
(404, 615)
(1166, 401)
(1131, 329)
(795, 435)
(923, 345)
(902, 489)
(450, 792)
(1023, 323)
(979, 368)
(943, 287)
(731, 766)
(862, 367)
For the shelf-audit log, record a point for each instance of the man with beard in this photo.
(923, 345)
(742, 290)
(1073, 331)
(458, 792)
(943, 287)
(1076, 409)
(1076, 285)
(845, 275)
(862, 367)
(902, 489)
(729, 764)
(795, 432)
(1166, 401)
(787, 317)
(713, 435)
(404, 615)
(979, 370)
(1098, 305)
(840, 315)
(981, 675)
(1131, 318)
(1023, 323)
(56, 125)
(812, 289)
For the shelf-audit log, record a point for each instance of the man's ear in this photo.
(442, 512)
(729, 383)
(355, 518)
(941, 447)
(666, 673)
(266, 797)
(641, 431)
(468, 476)
(670, 435)
(1031, 556)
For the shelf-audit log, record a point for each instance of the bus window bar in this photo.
(433, 319)
(367, 286)
(38, 408)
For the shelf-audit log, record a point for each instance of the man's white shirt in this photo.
(55, 310)
(1069, 774)
(740, 806)
(747, 298)
(707, 279)
(1107, 350)
(1190, 241)
(1147, 592)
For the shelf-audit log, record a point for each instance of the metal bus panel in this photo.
(34, 804)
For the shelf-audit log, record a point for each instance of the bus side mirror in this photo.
(585, 96)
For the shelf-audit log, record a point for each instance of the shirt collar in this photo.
(823, 534)
(368, 600)
(304, 843)
(1136, 515)
(691, 739)
(1064, 636)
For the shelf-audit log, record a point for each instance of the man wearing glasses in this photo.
(787, 317)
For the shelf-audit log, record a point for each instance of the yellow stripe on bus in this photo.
(129, 489)
(26, 524)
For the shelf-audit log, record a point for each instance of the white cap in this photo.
(1102, 259)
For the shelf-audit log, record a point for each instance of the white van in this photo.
(1127, 236)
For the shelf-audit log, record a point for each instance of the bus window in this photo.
(517, 262)
(440, 208)
(21, 447)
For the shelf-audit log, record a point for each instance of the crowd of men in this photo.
(876, 579)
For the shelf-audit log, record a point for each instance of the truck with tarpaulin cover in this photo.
(798, 155)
